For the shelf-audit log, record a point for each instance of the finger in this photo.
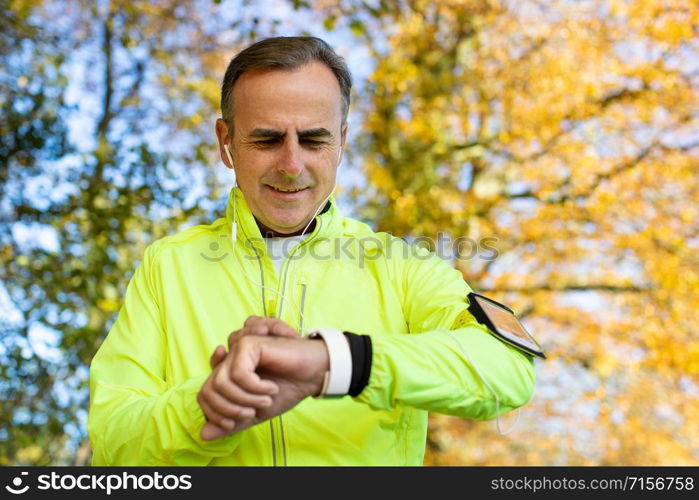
(210, 432)
(260, 329)
(234, 395)
(215, 413)
(232, 338)
(222, 421)
(243, 364)
(278, 328)
(256, 325)
(218, 356)
(234, 402)
(226, 422)
(249, 381)
(223, 413)
(253, 320)
(215, 406)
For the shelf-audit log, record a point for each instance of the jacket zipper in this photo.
(285, 270)
(265, 314)
(282, 437)
(303, 302)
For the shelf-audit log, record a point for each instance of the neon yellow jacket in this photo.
(189, 293)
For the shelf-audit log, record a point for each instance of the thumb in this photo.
(211, 431)
(218, 356)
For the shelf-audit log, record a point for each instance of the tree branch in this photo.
(557, 197)
(572, 288)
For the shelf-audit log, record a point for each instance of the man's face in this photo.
(286, 143)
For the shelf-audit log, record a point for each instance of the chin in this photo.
(285, 224)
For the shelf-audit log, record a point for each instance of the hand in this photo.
(257, 325)
(218, 391)
(254, 325)
(218, 425)
(224, 417)
(294, 366)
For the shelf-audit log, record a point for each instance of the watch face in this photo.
(508, 325)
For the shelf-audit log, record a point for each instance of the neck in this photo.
(271, 233)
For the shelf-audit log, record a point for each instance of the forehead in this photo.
(304, 97)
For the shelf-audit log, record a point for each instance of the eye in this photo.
(266, 142)
(312, 144)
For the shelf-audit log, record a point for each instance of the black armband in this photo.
(360, 347)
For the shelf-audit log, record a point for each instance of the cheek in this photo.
(323, 164)
(249, 168)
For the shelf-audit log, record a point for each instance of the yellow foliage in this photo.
(29, 454)
(575, 124)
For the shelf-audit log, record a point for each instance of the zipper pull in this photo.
(271, 308)
(304, 287)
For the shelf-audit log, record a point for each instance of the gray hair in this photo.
(289, 53)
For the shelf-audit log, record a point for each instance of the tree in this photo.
(563, 131)
(106, 145)
(566, 131)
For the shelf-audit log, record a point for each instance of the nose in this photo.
(291, 161)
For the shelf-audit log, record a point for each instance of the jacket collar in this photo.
(328, 221)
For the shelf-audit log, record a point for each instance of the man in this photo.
(376, 333)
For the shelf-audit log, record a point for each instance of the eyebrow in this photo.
(268, 133)
(315, 132)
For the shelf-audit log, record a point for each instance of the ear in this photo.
(343, 134)
(343, 140)
(223, 140)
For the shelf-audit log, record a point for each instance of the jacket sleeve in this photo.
(136, 417)
(449, 363)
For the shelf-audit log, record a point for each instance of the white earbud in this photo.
(234, 226)
(228, 154)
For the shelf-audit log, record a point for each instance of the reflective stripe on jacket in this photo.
(190, 292)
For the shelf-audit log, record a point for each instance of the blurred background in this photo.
(565, 133)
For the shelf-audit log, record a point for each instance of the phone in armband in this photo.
(502, 322)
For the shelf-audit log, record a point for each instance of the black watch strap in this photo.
(360, 347)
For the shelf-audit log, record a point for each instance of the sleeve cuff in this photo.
(361, 350)
(350, 362)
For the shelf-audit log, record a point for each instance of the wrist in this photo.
(338, 375)
(319, 379)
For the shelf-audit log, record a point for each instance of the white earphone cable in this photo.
(234, 231)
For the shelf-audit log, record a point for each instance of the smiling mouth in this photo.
(289, 190)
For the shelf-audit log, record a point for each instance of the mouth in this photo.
(286, 192)
(286, 189)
